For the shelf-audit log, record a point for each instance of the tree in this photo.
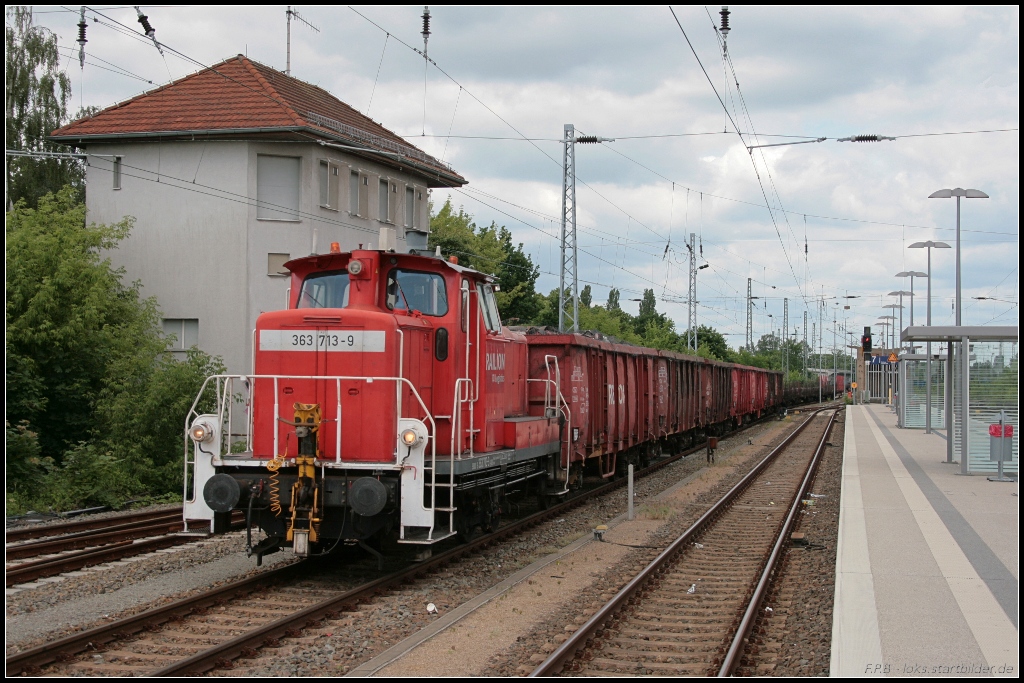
(648, 313)
(586, 297)
(517, 275)
(36, 98)
(613, 300)
(490, 250)
(97, 403)
(713, 341)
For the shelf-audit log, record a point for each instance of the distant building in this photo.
(234, 170)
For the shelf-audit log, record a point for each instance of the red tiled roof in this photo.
(242, 95)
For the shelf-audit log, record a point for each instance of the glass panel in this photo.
(277, 187)
(488, 308)
(993, 376)
(325, 184)
(184, 330)
(382, 199)
(325, 290)
(353, 193)
(415, 291)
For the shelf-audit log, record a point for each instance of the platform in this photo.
(927, 564)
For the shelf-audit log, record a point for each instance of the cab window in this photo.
(325, 290)
(411, 290)
(489, 308)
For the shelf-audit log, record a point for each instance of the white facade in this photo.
(215, 219)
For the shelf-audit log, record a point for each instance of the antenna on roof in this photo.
(293, 13)
(148, 29)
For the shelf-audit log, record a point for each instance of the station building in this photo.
(234, 170)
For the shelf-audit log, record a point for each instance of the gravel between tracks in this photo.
(797, 637)
(337, 646)
(55, 607)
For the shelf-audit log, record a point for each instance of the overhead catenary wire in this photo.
(630, 246)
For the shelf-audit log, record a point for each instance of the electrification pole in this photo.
(785, 336)
(691, 333)
(568, 308)
(750, 317)
(805, 341)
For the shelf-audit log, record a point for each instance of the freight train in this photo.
(389, 401)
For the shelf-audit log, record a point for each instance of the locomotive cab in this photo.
(386, 396)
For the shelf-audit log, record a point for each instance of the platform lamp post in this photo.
(904, 293)
(929, 245)
(890, 322)
(894, 308)
(957, 192)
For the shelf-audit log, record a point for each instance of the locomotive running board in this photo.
(439, 535)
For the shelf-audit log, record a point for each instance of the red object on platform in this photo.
(993, 430)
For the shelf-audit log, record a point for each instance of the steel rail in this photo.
(41, 531)
(247, 643)
(578, 640)
(31, 660)
(732, 656)
(91, 539)
(30, 571)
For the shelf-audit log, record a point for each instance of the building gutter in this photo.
(432, 174)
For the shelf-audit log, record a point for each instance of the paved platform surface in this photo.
(927, 566)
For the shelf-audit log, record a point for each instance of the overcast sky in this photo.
(628, 74)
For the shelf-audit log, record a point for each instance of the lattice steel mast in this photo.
(568, 306)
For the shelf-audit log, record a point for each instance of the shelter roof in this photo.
(935, 333)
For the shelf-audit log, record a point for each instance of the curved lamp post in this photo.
(929, 245)
(957, 192)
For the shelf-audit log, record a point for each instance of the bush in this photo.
(98, 403)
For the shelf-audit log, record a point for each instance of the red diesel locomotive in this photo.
(388, 400)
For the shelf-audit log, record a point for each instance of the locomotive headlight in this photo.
(201, 431)
(411, 438)
(355, 267)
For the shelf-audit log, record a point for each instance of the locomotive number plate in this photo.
(327, 340)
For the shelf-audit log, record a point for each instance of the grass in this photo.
(655, 511)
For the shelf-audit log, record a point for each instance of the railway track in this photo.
(60, 548)
(689, 611)
(213, 629)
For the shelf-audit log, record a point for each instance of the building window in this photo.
(185, 332)
(117, 173)
(410, 207)
(382, 197)
(277, 187)
(353, 193)
(275, 264)
(328, 177)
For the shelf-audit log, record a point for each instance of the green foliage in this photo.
(88, 476)
(98, 402)
(586, 297)
(142, 409)
(36, 95)
(68, 315)
(711, 344)
(25, 465)
(490, 250)
(613, 300)
(607, 322)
